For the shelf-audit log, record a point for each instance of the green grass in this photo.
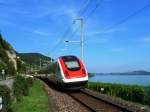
(36, 101)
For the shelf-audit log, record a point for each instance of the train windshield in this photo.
(72, 63)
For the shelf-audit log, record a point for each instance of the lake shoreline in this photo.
(143, 80)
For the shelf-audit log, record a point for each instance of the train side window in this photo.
(58, 68)
(55, 68)
(58, 71)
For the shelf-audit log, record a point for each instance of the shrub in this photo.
(21, 87)
(147, 96)
(6, 98)
(29, 81)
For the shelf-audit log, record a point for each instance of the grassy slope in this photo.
(36, 101)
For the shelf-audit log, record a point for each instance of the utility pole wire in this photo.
(129, 16)
(92, 12)
(89, 15)
(81, 12)
(126, 18)
(81, 32)
(59, 42)
(67, 31)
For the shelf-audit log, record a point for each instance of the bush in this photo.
(6, 98)
(140, 94)
(29, 81)
(147, 96)
(21, 87)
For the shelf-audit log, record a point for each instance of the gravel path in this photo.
(63, 103)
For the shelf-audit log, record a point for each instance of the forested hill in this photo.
(7, 57)
(34, 59)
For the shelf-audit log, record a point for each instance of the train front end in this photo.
(74, 74)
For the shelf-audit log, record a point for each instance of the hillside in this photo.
(34, 60)
(7, 57)
(12, 61)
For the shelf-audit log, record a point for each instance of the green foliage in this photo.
(21, 67)
(6, 98)
(2, 65)
(147, 96)
(36, 101)
(47, 70)
(10, 68)
(33, 58)
(140, 94)
(21, 87)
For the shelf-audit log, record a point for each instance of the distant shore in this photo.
(117, 74)
(125, 73)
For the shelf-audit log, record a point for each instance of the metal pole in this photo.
(81, 38)
(51, 58)
(40, 63)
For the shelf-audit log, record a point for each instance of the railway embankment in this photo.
(87, 100)
(62, 102)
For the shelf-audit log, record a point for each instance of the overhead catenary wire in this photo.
(93, 10)
(129, 17)
(59, 43)
(82, 10)
(88, 16)
(126, 18)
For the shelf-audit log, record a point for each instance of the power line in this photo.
(89, 15)
(83, 9)
(64, 35)
(127, 18)
(68, 30)
(92, 12)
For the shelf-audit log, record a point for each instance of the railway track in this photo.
(102, 103)
(95, 104)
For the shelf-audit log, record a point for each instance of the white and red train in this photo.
(69, 72)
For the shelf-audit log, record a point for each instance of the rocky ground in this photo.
(61, 102)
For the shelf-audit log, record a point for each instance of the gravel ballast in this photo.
(61, 102)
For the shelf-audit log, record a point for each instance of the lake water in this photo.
(122, 79)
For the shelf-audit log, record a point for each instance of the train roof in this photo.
(68, 57)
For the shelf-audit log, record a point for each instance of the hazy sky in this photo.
(116, 34)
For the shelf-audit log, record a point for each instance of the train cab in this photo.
(70, 72)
